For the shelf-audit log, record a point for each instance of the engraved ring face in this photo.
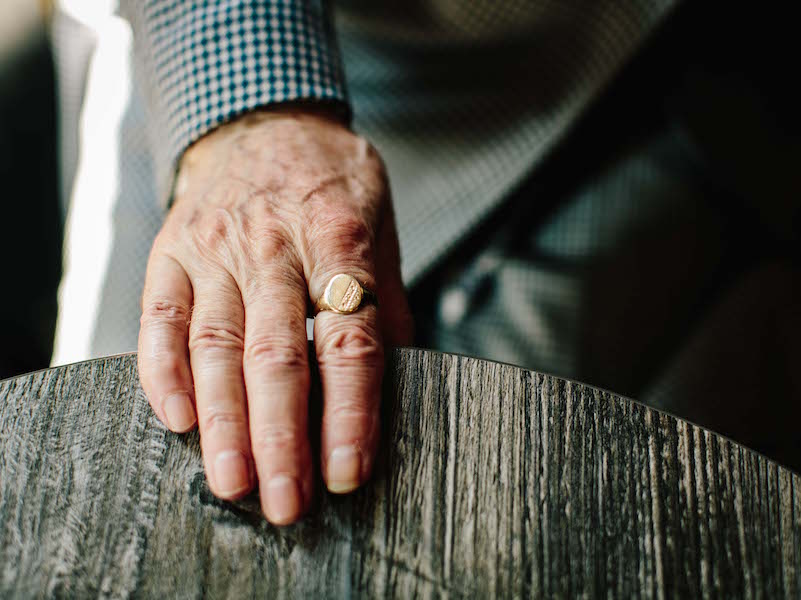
(343, 294)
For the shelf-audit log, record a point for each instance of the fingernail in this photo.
(179, 412)
(284, 502)
(343, 469)
(231, 472)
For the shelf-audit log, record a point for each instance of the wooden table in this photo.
(493, 480)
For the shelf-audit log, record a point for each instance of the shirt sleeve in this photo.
(202, 63)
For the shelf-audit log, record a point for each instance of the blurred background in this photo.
(30, 244)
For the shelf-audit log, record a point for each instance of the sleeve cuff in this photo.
(208, 62)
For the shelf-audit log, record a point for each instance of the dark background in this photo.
(30, 244)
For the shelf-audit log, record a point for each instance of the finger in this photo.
(163, 359)
(351, 361)
(277, 378)
(216, 341)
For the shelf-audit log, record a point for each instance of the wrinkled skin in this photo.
(266, 210)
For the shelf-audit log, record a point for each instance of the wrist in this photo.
(327, 115)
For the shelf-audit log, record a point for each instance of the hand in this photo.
(266, 210)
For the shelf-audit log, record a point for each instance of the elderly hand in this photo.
(267, 210)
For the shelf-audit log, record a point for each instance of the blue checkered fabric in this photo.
(207, 62)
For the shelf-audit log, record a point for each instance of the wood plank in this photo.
(492, 480)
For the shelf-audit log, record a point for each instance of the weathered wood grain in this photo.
(493, 480)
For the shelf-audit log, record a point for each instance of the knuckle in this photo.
(163, 311)
(352, 410)
(356, 419)
(168, 365)
(343, 233)
(287, 439)
(226, 233)
(211, 335)
(275, 353)
(277, 286)
(269, 242)
(352, 344)
(214, 229)
(219, 419)
(348, 225)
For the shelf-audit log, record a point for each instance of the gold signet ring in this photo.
(344, 295)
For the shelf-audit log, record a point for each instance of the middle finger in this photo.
(277, 377)
(216, 341)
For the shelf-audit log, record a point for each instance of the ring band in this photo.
(344, 295)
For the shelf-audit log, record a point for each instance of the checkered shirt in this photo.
(207, 62)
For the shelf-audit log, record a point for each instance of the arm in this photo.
(205, 62)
